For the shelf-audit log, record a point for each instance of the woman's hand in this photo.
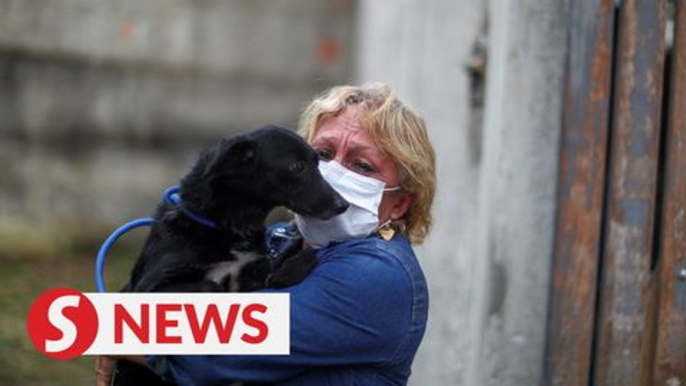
(105, 365)
(104, 370)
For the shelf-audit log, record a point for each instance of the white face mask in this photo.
(362, 217)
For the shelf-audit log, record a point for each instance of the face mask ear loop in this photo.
(391, 224)
(393, 189)
(385, 225)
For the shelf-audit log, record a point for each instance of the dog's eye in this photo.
(297, 168)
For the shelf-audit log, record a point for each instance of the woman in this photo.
(360, 315)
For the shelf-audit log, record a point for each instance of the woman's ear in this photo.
(401, 205)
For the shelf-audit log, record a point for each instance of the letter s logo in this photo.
(57, 318)
(62, 323)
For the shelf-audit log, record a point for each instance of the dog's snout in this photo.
(340, 204)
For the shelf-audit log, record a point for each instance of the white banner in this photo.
(182, 323)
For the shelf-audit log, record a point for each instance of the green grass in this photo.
(32, 262)
(23, 280)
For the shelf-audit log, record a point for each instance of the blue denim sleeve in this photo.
(353, 309)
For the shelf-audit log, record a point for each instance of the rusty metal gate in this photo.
(617, 312)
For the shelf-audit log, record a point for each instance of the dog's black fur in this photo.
(235, 184)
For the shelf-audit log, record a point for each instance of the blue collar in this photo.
(171, 196)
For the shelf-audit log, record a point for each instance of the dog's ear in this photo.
(233, 157)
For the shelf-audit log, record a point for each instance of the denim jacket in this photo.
(357, 319)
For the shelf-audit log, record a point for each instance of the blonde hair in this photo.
(398, 132)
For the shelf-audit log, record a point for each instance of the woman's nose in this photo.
(341, 157)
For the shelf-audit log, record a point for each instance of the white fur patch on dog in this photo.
(220, 271)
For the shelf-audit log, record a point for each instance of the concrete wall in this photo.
(104, 103)
(275, 40)
(527, 49)
(421, 48)
(488, 258)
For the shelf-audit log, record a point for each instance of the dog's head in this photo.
(272, 166)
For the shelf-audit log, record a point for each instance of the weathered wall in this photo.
(488, 258)
(102, 103)
(527, 48)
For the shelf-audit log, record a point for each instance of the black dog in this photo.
(213, 238)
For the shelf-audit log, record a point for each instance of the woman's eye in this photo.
(324, 155)
(363, 167)
(297, 168)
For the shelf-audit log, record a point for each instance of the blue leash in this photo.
(102, 253)
(170, 196)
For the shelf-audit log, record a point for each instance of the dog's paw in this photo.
(252, 276)
(293, 270)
